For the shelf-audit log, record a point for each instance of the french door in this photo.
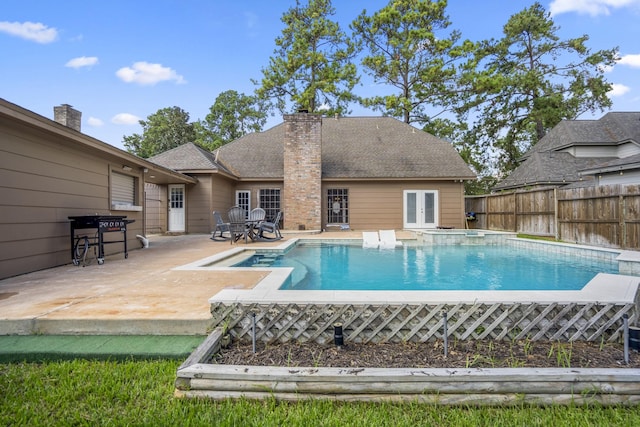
(420, 208)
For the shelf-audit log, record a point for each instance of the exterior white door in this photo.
(176, 208)
(243, 199)
(420, 208)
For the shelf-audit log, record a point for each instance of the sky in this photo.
(119, 61)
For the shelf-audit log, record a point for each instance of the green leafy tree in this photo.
(410, 51)
(231, 116)
(525, 83)
(312, 66)
(165, 129)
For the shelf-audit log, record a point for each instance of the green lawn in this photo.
(136, 393)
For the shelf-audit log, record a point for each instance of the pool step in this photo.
(266, 260)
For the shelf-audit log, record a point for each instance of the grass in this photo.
(140, 393)
(536, 237)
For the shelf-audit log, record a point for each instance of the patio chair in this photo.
(237, 224)
(370, 239)
(221, 226)
(257, 215)
(270, 227)
(388, 239)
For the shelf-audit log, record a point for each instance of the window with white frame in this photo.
(269, 200)
(337, 206)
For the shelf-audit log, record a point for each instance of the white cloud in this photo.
(630, 60)
(125, 119)
(145, 73)
(95, 122)
(82, 61)
(589, 7)
(618, 90)
(33, 31)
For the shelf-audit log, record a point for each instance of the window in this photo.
(338, 206)
(269, 200)
(123, 192)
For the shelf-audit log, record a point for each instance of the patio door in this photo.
(176, 208)
(243, 199)
(420, 209)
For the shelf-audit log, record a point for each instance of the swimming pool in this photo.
(328, 266)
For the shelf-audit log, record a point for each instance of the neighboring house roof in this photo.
(546, 164)
(612, 129)
(352, 148)
(547, 168)
(617, 165)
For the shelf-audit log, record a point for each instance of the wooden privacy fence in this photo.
(607, 216)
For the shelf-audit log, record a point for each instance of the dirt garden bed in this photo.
(467, 354)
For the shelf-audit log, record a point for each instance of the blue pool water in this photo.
(456, 267)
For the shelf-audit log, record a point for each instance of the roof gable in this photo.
(186, 157)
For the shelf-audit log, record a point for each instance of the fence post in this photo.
(515, 211)
(556, 224)
(622, 220)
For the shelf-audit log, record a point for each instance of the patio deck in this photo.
(141, 295)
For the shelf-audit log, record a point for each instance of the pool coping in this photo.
(603, 288)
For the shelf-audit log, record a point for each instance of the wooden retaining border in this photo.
(496, 386)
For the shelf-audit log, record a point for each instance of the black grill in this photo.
(102, 224)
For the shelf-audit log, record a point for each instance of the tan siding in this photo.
(199, 206)
(155, 208)
(379, 205)
(44, 181)
(222, 196)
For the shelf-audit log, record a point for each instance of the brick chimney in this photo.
(303, 171)
(68, 116)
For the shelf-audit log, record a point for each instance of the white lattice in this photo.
(282, 322)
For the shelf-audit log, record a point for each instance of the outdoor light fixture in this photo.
(338, 339)
(126, 168)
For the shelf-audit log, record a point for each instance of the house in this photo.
(582, 152)
(49, 171)
(323, 172)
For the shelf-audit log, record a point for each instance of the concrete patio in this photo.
(140, 295)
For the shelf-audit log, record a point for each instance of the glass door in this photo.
(420, 209)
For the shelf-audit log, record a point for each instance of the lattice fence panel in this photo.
(282, 322)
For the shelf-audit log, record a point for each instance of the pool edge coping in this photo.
(603, 288)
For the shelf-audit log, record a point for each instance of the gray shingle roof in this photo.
(186, 157)
(352, 148)
(548, 168)
(545, 164)
(611, 129)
